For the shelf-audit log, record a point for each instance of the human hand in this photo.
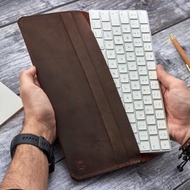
(177, 104)
(39, 113)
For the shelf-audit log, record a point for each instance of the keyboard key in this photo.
(121, 59)
(154, 85)
(137, 42)
(155, 145)
(158, 104)
(96, 24)
(143, 135)
(124, 17)
(142, 70)
(144, 80)
(97, 33)
(136, 33)
(161, 124)
(147, 46)
(116, 31)
(134, 24)
(137, 95)
(142, 125)
(152, 75)
(118, 40)
(131, 117)
(132, 66)
(124, 78)
(114, 73)
(163, 134)
(135, 85)
(133, 14)
(127, 37)
(151, 65)
(122, 68)
(130, 56)
(129, 107)
(106, 26)
(108, 35)
(94, 14)
(127, 97)
(146, 37)
(149, 110)
(145, 145)
(160, 114)
(145, 89)
(149, 56)
(133, 75)
(152, 129)
(125, 87)
(140, 115)
(151, 120)
(138, 105)
(112, 64)
(156, 94)
(145, 28)
(126, 28)
(143, 18)
(110, 54)
(129, 47)
(165, 145)
(114, 18)
(147, 99)
(140, 61)
(109, 44)
(104, 16)
(139, 51)
(119, 49)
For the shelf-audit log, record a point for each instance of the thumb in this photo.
(27, 76)
(164, 77)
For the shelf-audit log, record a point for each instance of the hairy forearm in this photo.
(28, 169)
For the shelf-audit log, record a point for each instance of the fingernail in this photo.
(159, 65)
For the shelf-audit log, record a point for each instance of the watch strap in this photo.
(185, 154)
(37, 141)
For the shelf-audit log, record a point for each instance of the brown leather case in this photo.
(92, 125)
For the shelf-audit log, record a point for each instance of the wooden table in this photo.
(165, 17)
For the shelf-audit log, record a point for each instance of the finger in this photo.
(163, 88)
(165, 78)
(36, 82)
(27, 76)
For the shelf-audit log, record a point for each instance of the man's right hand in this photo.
(177, 104)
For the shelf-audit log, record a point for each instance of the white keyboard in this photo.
(125, 40)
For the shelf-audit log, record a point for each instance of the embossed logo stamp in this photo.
(80, 164)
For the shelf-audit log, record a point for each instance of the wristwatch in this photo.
(185, 155)
(37, 141)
